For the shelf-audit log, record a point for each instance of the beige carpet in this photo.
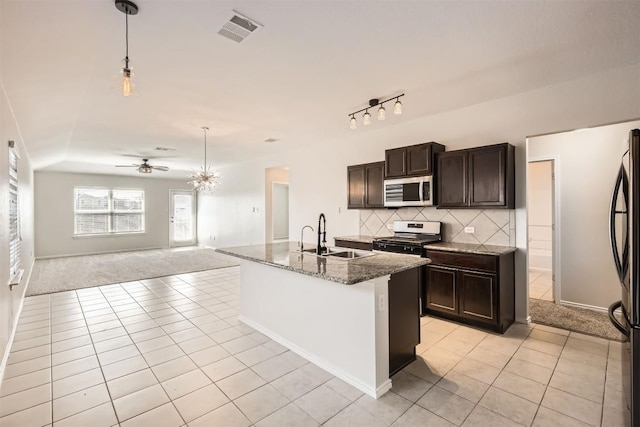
(77, 272)
(575, 319)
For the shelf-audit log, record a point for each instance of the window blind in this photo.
(108, 210)
(14, 212)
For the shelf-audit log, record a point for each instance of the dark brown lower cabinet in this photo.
(404, 318)
(471, 288)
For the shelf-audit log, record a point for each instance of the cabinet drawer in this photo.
(463, 260)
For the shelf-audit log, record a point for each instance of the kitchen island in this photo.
(356, 318)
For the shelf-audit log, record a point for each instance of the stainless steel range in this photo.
(409, 237)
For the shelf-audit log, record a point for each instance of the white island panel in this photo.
(343, 329)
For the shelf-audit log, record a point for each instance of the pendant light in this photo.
(353, 122)
(205, 180)
(128, 8)
(382, 113)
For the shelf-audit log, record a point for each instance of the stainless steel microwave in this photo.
(416, 191)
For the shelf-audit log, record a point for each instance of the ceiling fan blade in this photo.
(160, 168)
(127, 166)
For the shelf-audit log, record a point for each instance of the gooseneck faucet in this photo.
(302, 236)
(321, 246)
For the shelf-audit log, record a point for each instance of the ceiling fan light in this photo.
(366, 118)
(382, 113)
(397, 107)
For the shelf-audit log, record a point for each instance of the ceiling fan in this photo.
(145, 167)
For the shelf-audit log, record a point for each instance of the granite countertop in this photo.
(471, 248)
(340, 270)
(361, 238)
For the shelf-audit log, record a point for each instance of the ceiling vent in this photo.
(239, 27)
(165, 149)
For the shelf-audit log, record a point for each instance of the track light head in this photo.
(353, 123)
(397, 107)
(366, 118)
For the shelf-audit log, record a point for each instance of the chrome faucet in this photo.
(302, 237)
(322, 247)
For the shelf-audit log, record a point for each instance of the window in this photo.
(108, 210)
(14, 212)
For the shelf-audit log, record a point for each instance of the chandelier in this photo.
(205, 180)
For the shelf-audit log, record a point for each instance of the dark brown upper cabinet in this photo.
(414, 160)
(366, 186)
(482, 177)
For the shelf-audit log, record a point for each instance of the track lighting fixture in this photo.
(382, 112)
(128, 8)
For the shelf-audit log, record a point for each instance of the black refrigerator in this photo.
(624, 225)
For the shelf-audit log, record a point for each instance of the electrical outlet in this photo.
(470, 230)
(389, 226)
(380, 302)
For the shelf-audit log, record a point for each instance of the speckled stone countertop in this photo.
(360, 238)
(340, 270)
(471, 248)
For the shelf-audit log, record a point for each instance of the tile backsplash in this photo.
(492, 226)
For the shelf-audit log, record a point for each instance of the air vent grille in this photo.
(238, 27)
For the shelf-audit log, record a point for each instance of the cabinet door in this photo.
(487, 176)
(374, 181)
(441, 284)
(356, 182)
(404, 318)
(419, 160)
(395, 162)
(478, 299)
(452, 179)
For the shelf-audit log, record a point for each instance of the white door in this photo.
(280, 211)
(182, 218)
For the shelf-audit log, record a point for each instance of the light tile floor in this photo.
(171, 352)
(540, 285)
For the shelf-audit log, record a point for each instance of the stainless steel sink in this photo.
(340, 253)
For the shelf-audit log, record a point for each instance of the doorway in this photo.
(276, 202)
(541, 229)
(182, 218)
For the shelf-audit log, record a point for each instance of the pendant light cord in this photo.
(205, 150)
(126, 32)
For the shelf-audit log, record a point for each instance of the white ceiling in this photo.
(296, 79)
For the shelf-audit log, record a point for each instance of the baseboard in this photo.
(375, 393)
(101, 252)
(543, 270)
(7, 350)
(585, 306)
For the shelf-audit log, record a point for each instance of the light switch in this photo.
(470, 230)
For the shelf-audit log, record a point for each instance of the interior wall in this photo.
(587, 164)
(11, 300)
(278, 174)
(540, 215)
(318, 176)
(54, 213)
